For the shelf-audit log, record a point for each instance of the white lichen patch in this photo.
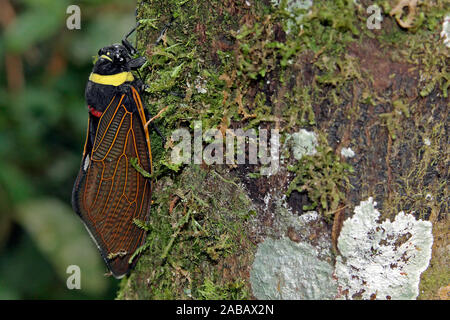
(382, 260)
(267, 199)
(303, 143)
(284, 269)
(347, 153)
(308, 217)
(445, 33)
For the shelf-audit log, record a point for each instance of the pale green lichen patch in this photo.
(382, 260)
(303, 143)
(284, 269)
(294, 260)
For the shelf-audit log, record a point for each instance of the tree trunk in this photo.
(289, 65)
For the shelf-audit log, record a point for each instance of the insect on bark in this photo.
(109, 193)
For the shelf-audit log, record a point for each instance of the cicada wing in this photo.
(109, 193)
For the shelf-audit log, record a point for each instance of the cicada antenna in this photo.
(132, 50)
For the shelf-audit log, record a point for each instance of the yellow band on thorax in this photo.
(113, 79)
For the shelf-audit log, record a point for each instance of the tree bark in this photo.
(285, 66)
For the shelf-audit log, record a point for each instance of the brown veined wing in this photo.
(109, 193)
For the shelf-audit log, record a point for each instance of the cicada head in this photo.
(115, 59)
(112, 59)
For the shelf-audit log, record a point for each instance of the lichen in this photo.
(284, 269)
(445, 33)
(347, 153)
(303, 143)
(382, 260)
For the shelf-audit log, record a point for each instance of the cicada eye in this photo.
(119, 57)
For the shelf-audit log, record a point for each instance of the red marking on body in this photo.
(94, 112)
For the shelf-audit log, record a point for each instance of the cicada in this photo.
(109, 193)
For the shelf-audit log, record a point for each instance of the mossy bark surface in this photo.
(271, 64)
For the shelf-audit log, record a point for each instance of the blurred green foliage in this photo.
(43, 71)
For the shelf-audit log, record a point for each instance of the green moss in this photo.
(324, 177)
(421, 45)
(394, 118)
(236, 290)
(197, 221)
(437, 276)
(301, 112)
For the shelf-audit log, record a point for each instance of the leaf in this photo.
(60, 235)
(176, 71)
